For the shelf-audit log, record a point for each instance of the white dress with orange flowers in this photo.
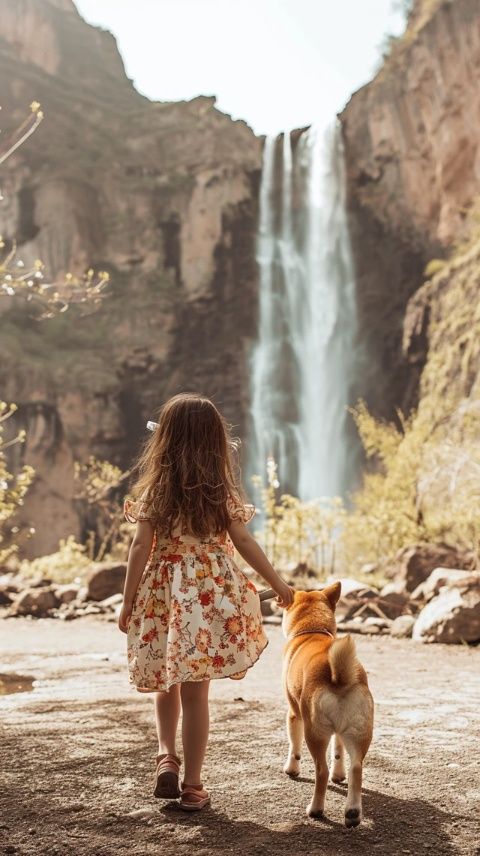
(195, 614)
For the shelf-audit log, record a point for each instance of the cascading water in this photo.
(303, 361)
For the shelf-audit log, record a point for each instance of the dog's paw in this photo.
(353, 817)
(338, 776)
(313, 811)
(292, 767)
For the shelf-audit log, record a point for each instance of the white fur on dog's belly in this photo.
(348, 711)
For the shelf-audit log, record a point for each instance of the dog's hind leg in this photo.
(317, 745)
(353, 808)
(337, 766)
(295, 741)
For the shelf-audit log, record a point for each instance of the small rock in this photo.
(106, 579)
(266, 607)
(92, 610)
(392, 588)
(66, 593)
(402, 627)
(369, 568)
(113, 600)
(351, 586)
(141, 812)
(382, 623)
(38, 582)
(6, 596)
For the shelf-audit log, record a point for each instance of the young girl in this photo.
(190, 613)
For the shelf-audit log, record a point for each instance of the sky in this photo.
(277, 64)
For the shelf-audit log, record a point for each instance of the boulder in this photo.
(105, 579)
(415, 564)
(402, 626)
(66, 593)
(394, 604)
(441, 577)
(34, 601)
(452, 616)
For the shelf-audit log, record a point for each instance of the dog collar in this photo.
(318, 630)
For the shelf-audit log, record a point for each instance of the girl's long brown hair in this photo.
(186, 471)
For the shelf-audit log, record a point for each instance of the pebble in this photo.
(140, 812)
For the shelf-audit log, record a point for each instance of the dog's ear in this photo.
(332, 593)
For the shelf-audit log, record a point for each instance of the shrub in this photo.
(12, 489)
(295, 533)
(68, 563)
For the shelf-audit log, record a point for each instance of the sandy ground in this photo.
(77, 755)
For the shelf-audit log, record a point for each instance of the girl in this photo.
(190, 613)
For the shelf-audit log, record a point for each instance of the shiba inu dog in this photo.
(328, 696)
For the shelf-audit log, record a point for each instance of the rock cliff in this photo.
(164, 197)
(412, 143)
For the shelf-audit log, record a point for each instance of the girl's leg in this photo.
(195, 725)
(167, 713)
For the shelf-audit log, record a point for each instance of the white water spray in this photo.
(303, 362)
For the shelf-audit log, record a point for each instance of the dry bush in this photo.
(99, 486)
(68, 563)
(12, 490)
(298, 534)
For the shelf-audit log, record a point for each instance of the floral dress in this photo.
(195, 614)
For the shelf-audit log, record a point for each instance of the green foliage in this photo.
(428, 490)
(298, 534)
(68, 563)
(12, 489)
(98, 484)
(433, 267)
(385, 514)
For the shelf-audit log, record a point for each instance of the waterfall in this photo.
(303, 361)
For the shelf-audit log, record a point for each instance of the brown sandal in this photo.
(194, 797)
(166, 777)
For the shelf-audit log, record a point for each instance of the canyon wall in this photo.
(412, 143)
(164, 197)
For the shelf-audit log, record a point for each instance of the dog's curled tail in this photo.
(342, 657)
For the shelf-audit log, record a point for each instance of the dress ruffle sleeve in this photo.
(240, 511)
(137, 510)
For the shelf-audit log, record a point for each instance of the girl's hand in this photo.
(285, 594)
(124, 616)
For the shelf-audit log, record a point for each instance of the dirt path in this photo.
(77, 754)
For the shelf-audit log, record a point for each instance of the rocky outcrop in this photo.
(412, 143)
(163, 196)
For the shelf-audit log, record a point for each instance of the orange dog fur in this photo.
(328, 696)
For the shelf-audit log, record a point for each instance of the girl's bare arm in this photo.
(137, 559)
(256, 558)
